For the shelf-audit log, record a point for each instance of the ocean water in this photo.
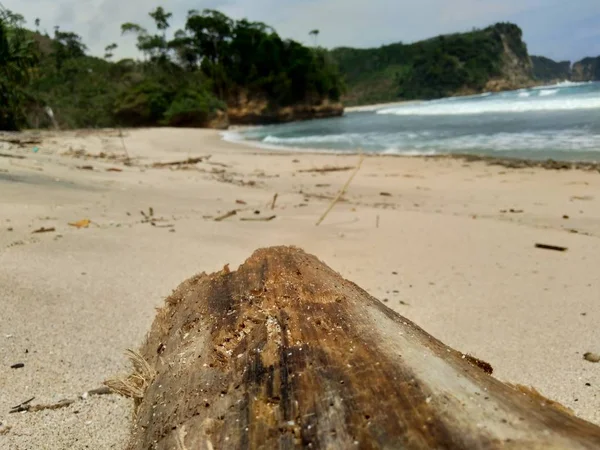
(561, 122)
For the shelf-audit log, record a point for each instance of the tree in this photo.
(108, 51)
(155, 46)
(67, 45)
(315, 35)
(17, 57)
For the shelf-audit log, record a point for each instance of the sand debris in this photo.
(26, 406)
(8, 155)
(556, 248)
(327, 169)
(135, 385)
(257, 219)
(342, 191)
(184, 162)
(226, 215)
(44, 230)
(592, 357)
(83, 223)
(274, 201)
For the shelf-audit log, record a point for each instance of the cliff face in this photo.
(588, 69)
(516, 68)
(259, 112)
(547, 70)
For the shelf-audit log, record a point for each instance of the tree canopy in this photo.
(184, 78)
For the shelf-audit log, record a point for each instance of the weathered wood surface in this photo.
(284, 353)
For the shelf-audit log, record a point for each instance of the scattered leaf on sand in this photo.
(114, 169)
(385, 194)
(241, 202)
(85, 167)
(84, 223)
(592, 357)
(44, 230)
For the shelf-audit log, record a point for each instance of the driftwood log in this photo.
(285, 353)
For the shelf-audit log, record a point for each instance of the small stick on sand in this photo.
(274, 200)
(178, 163)
(123, 143)
(6, 155)
(258, 219)
(226, 215)
(44, 230)
(26, 406)
(377, 221)
(343, 190)
(551, 247)
(327, 169)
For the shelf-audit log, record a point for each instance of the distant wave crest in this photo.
(547, 92)
(307, 140)
(496, 106)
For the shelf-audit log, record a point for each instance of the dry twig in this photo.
(342, 191)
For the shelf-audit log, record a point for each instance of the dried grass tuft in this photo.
(135, 385)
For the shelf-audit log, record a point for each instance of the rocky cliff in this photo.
(259, 112)
(588, 69)
(516, 67)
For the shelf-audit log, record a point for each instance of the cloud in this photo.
(550, 28)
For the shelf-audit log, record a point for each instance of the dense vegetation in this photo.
(184, 79)
(433, 68)
(545, 69)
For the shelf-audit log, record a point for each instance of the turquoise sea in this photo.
(561, 122)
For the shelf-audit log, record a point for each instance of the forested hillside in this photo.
(493, 58)
(545, 69)
(191, 77)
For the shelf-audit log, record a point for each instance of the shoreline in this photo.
(508, 162)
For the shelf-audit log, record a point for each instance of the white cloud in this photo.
(550, 27)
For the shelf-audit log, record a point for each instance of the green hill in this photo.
(494, 58)
(547, 70)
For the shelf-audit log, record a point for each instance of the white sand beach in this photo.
(449, 244)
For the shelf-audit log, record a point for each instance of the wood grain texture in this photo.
(285, 353)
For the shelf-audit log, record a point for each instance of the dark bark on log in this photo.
(284, 353)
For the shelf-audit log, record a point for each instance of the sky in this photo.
(557, 29)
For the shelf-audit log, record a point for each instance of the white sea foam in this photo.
(409, 152)
(548, 92)
(497, 106)
(307, 140)
(563, 84)
(524, 94)
(232, 136)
